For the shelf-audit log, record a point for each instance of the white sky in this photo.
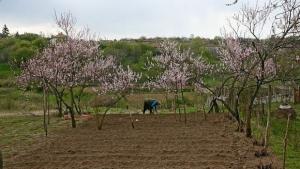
(122, 18)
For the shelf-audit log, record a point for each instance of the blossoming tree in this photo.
(179, 68)
(251, 59)
(116, 80)
(75, 62)
(242, 67)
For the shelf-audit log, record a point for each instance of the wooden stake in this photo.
(267, 132)
(184, 104)
(45, 110)
(174, 108)
(132, 122)
(285, 141)
(204, 112)
(48, 108)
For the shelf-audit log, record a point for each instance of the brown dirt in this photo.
(157, 142)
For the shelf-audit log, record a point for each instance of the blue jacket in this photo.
(153, 103)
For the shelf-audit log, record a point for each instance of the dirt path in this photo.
(25, 113)
(156, 142)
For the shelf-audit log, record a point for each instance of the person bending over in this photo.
(151, 105)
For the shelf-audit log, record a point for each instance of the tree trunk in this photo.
(249, 114)
(167, 103)
(72, 117)
(238, 118)
(60, 109)
(248, 123)
(77, 104)
(198, 109)
(71, 109)
(77, 107)
(58, 99)
(216, 107)
(100, 123)
(231, 111)
(177, 105)
(183, 100)
(174, 107)
(59, 105)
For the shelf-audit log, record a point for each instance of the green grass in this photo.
(15, 100)
(209, 81)
(17, 131)
(278, 127)
(293, 150)
(5, 71)
(12, 99)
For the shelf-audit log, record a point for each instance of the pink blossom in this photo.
(179, 67)
(268, 71)
(234, 56)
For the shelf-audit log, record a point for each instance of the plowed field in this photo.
(158, 141)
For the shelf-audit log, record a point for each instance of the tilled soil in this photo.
(158, 142)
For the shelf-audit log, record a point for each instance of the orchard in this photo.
(227, 102)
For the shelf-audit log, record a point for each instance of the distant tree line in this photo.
(17, 48)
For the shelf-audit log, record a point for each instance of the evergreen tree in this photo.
(17, 35)
(5, 31)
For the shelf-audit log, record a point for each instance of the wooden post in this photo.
(48, 108)
(285, 141)
(197, 106)
(267, 132)
(132, 122)
(262, 107)
(176, 103)
(45, 110)
(258, 126)
(204, 112)
(232, 99)
(166, 100)
(174, 108)
(297, 95)
(98, 120)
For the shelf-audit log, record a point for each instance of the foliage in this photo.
(19, 49)
(201, 48)
(5, 31)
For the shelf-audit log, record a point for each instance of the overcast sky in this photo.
(121, 18)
